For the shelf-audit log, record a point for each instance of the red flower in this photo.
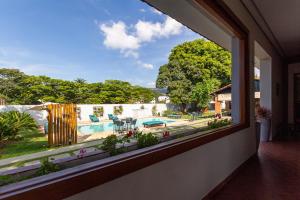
(129, 134)
(166, 134)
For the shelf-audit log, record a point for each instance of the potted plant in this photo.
(263, 116)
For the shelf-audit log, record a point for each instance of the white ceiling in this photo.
(280, 20)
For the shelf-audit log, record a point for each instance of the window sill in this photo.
(71, 181)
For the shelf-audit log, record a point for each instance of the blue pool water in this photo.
(98, 128)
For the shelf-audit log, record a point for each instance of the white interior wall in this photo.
(192, 174)
(266, 83)
(187, 176)
(292, 69)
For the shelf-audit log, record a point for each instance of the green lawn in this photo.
(31, 143)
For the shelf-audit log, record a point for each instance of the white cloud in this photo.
(147, 31)
(117, 34)
(129, 38)
(156, 11)
(116, 37)
(142, 10)
(151, 84)
(145, 65)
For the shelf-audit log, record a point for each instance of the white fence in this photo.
(129, 110)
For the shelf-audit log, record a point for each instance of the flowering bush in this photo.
(129, 134)
(81, 153)
(218, 123)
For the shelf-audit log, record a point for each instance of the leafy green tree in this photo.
(193, 63)
(201, 93)
(20, 88)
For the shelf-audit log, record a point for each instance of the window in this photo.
(190, 86)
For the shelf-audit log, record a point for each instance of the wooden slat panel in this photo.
(63, 141)
(62, 122)
(54, 111)
(50, 128)
(75, 123)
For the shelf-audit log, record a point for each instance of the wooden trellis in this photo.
(2, 101)
(62, 124)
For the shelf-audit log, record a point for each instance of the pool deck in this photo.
(178, 124)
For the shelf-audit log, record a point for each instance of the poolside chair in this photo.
(133, 123)
(110, 116)
(118, 126)
(93, 118)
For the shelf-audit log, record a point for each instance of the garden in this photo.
(19, 135)
(193, 71)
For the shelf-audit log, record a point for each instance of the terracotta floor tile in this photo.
(275, 175)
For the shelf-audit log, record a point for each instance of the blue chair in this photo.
(118, 126)
(93, 118)
(112, 117)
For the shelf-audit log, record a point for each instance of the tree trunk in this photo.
(183, 107)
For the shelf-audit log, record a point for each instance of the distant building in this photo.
(163, 96)
(222, 97)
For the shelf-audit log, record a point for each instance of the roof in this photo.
(222, 90)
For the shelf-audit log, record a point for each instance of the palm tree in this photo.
(80, 81)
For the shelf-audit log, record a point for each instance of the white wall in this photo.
(292, 69)
(192, 174)
(187, 176)
(129, 110)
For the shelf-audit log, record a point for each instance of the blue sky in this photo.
(91, 39)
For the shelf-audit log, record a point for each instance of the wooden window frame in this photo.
(71, 181)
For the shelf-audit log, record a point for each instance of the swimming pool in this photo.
(98, 128)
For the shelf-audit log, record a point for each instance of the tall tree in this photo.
(193, 63)
(24, 89)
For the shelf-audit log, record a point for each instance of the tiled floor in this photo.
(274, 174)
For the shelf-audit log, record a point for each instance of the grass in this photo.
(32, 142)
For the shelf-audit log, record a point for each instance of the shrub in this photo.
(118, 110)
(146, 140)
(6, 179)
(170, 112)
(47, 167)
(218, 123)
(109, 144)
(14, 123)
